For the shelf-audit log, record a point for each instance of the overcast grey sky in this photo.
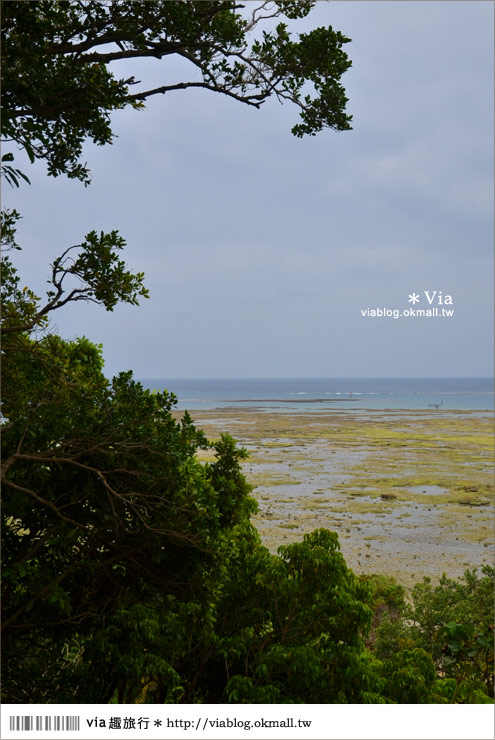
(261, 250)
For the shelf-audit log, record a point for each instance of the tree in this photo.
(108, 520)
(299, 635)
(97, 275)
(59, 87)
(452, 623)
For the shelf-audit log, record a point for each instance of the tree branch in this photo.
(254, 100)
(125, 498)
(55, 509)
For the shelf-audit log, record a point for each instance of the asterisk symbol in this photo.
(414, 298)
(158, 723)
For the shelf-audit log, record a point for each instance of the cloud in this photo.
(260, 249)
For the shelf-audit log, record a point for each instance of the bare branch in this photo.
(254, 100)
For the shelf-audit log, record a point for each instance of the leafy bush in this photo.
(453, 623)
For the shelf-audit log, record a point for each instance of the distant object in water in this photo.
(435, 405)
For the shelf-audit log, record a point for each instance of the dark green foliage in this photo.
(452, 623)
(12, 174)
(112, 531)
(90, 271)
(110, 524)
(386, 600)
(410, 677)
(298, 635)
(58, 88)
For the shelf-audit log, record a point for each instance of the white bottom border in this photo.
(254, 722)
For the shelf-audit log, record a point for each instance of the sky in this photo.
(261, 251)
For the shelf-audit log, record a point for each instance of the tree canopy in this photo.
(61, 81)
(108, 517)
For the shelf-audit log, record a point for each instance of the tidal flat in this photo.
(409, 493)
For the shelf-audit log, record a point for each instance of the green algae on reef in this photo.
(418, 484)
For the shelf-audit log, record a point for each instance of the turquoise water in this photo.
(323, 394)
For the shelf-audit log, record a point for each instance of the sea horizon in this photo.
(320, 393)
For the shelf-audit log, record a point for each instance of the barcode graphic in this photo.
(63, 723)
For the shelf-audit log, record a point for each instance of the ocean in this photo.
(324, 394)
